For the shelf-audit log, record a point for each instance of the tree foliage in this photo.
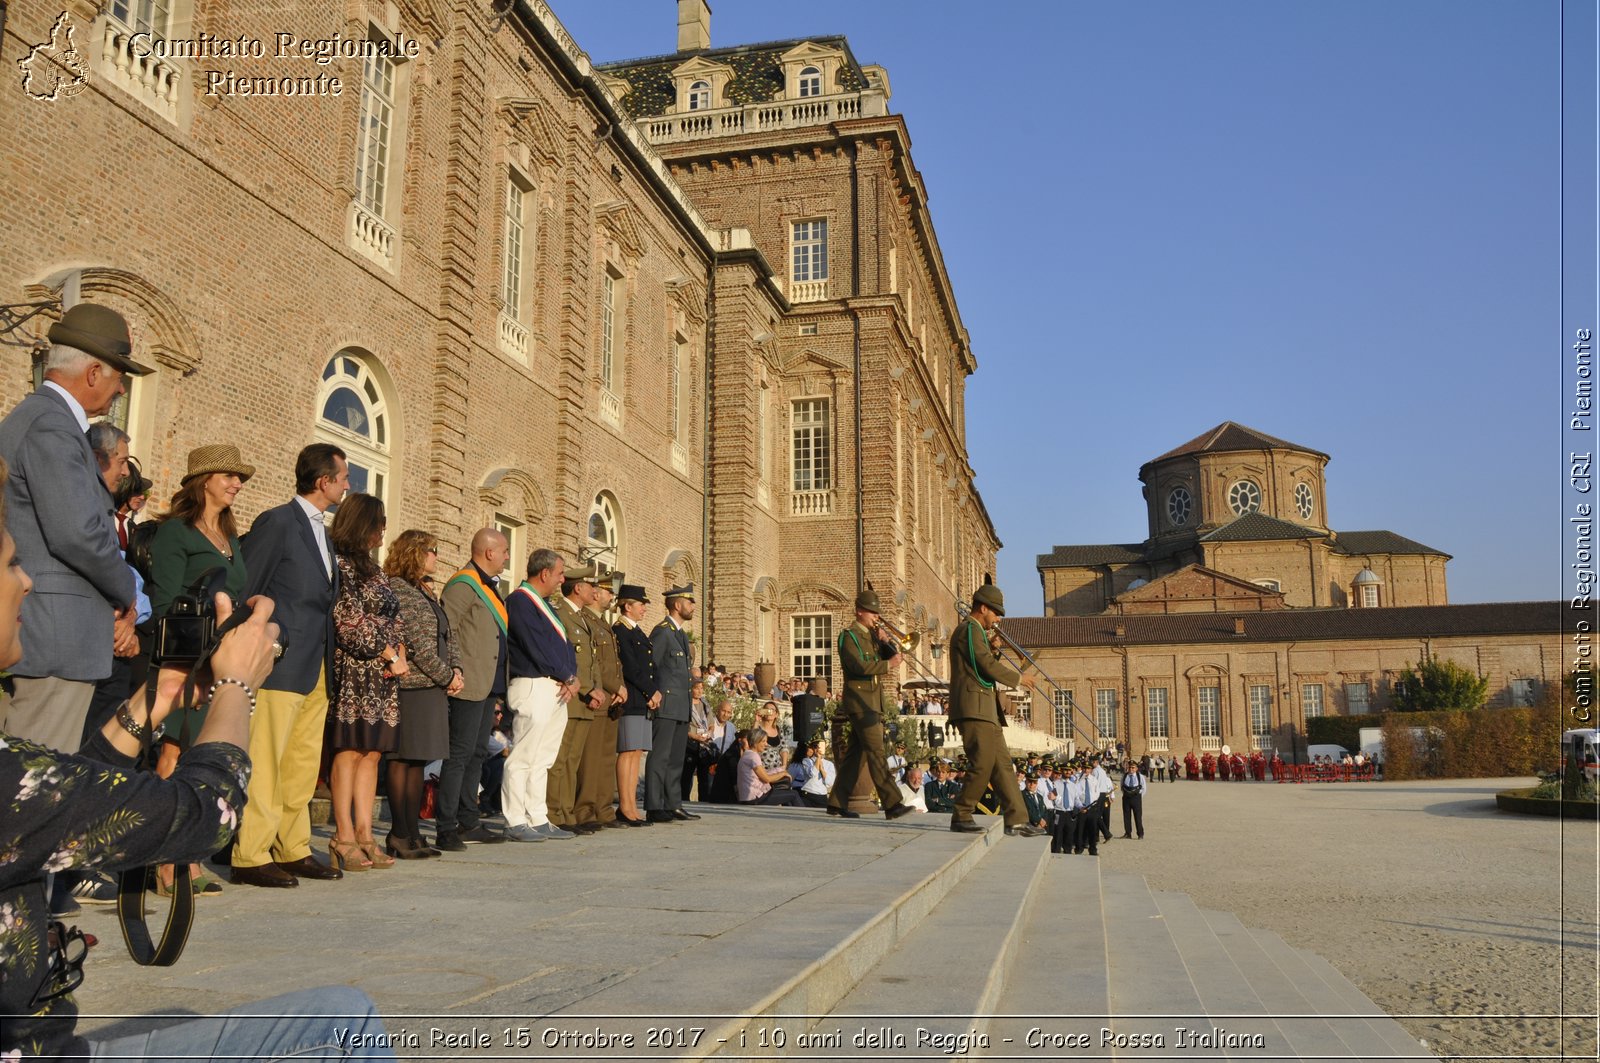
(1436, 685)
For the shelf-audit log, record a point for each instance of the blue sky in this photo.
(1334, 222)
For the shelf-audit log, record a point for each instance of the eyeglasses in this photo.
(433, 549)
(65, 973)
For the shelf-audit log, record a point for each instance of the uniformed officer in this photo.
(1134, 785)
(597, 768)
(863, 671)
(587, 702)
(975, 676)
(1033, 801)
(669, 737)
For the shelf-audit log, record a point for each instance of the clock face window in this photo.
(1179, 505)
(1302, 500)
(1244, 497)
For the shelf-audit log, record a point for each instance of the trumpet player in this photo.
(864, 667)
(976, 674)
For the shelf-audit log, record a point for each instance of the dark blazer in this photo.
(669, 646)
(59, 513)
(638, 668)
(283, 562)
(535, 649)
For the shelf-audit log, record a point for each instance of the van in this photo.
(1335, 753)
(1591, 749)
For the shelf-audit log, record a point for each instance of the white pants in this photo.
(538, 718)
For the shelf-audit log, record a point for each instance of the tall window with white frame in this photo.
(372, 141)
(811, 646)
(812, 455)
(608, 329)
(1156, 704)
(1356, 696)
(1210, 703)
(353, 414)
(810, 82)
(1105, 712)
(1311, 700)
(808, 260)
(1369, 596)
(675, 389)
(1063, 714)
(143, 16)
(1261, 714)
(516, 232)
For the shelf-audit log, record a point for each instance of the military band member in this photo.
(864, 670)
(976, 674)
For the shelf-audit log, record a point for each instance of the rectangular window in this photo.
(1210, 699)
(1524, 692)
(1157, 703)
(675, 391)
(373, 134)
(1063, 714)
(608, 328)
(812, 457)
(1260, 710)
(1369, 597)
(1311, 700)
(147, 16)
(511, 274)
(812, 646)
(809, 250)
(1105, 712)
(1355, 699)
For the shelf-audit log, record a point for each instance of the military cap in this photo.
(586, 574)
(990, 595)
(632, 592)
(685, 591)
(867, 601)
(99, 332)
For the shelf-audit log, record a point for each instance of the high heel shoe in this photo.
(376, 857)
(427, 850)
(347, 856)
(403, 848)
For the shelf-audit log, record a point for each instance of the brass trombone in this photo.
(1026, 660)
(896, 641)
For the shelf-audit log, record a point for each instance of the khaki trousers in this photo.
(562, 799)
(866, 744)
(48, 711)
(597, 773)
(285, 752)
(989, 764)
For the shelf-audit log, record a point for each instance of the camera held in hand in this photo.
(189, 629)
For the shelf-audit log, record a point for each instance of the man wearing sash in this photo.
(473, 602)
(544, 674)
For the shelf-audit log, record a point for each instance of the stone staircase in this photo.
(983, 946)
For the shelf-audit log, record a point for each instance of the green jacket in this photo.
(863, 672)
(976, 675)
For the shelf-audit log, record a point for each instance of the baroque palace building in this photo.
(687, 316)
(1243, 613)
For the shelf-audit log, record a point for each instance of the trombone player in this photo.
(976, 674)
(864, 665)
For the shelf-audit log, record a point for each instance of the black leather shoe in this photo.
(966, 826)
(449, 841)
(679, 813)
(1027, 830)
(308, 867)
(660, 817)
(843, 813)
(902, 809)
(481, 834)
(591, 827)
(614, 823)
(580, 828)
(1128, 836)
(624, 821)
(268, 875)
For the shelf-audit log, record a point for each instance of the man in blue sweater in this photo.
(544, 674)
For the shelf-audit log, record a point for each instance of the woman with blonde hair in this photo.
(369, 658)
(435, 676)
(197, 534)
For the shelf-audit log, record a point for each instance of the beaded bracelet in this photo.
(241, 684)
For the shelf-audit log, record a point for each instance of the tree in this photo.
(1438, 685)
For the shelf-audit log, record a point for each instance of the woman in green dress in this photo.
(196, 535)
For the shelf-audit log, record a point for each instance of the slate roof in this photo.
(1290, 625)
(1230, 435)
(758, 75)
(1103, 554)
(1254, 527)
(1379, 542)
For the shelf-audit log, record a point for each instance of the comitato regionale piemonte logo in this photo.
(54, 70)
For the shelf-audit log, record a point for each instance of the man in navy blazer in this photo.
(61, 519)
(288, 558)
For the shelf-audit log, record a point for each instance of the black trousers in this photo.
(1087, 833)
(1132, 813)
(1064, 832)
(470, 724)
(1103, 818)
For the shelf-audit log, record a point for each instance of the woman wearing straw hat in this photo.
(197, 534)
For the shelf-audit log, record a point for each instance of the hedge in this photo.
(1479, 744)
(1340, 730)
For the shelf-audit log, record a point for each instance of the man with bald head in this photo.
(475, 605)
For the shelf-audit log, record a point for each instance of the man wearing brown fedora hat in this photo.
(61, 520)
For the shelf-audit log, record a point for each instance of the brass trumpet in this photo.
(893, 636)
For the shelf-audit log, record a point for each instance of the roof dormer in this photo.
(810, 69)
(700, 85)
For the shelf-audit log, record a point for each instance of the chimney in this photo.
(1238, 625)
(1121, 630)
(694, 25)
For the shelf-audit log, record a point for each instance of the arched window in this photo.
(700, 96)
(603, 535)
(353, 414)
(810, 82)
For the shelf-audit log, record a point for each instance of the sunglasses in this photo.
(68, 948)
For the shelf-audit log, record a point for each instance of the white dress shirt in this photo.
(319, 531)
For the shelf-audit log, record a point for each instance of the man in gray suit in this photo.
(669, 733)
(61, 518)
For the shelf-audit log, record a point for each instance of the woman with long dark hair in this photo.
(368, 660)
(435, 675)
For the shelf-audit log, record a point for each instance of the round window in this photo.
(1179, 505)
(1244, 497)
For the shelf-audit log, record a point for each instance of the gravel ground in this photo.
(1476, 929)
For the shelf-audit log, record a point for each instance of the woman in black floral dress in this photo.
(368, 660)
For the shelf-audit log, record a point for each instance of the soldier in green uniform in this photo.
(863, 707)
(975, 676)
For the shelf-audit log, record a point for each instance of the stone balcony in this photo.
(762, 117)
